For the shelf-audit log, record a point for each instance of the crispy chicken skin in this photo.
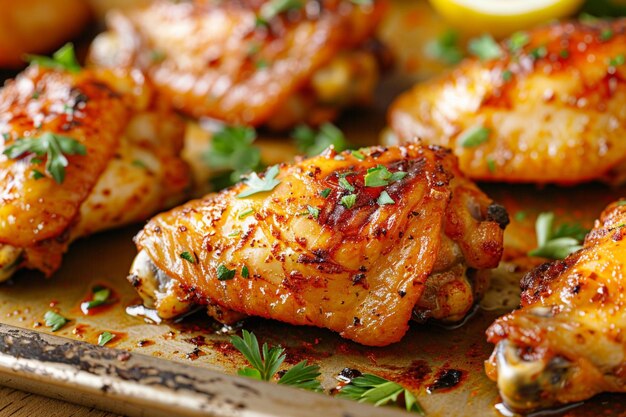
(554, 107)
(131, 168)
(214, 59)
(310, 260)
(566, 343)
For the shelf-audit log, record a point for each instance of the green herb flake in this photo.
(273, 8)
(507, 75)
(564, 53)
(54, 146)
(348, 201)
(556, 242)
(606, 34)
(37, 175)
(313, 211)
(491, 165)
(446, 48)
(617, 60)
(188, 257)
(345, 184)
(358, 155)
(485, 48)
(63, 59)
(105, 337)
(520, 216)
(261, 64)
(234, 233)
(225, 274)
(517, 41)
(157, 56)
(54, 320)
(266, 361)
(380, 176)
(257, 184)
(100, 297)
(380, 391)
(139, 164)
(325, 192)
(474, 137)
(245, 213)
(539, 52)
(245, 272)
(621, 203)
(311, 142)
(385, 199)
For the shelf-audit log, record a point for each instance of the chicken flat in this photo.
(566, 343)
(545, 106)
(355, 242)
(249, 62)
(81, 151)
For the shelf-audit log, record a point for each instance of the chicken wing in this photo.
(81, 152)
(567, 343)
(549, 109)
(355, 242)
(249, 62)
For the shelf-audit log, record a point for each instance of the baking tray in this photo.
(188, 368)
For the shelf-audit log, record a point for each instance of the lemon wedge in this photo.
(502, 17)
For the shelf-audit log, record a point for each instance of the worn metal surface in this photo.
(194, 356)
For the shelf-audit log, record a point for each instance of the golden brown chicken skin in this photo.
(551, 107)
(128, 167)
(566, 343)
(249, 62)
(327, 248)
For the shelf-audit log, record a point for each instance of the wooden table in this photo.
(15, 403)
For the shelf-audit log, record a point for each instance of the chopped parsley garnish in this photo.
(54, 320)
(273, 8)
(617, 60)
(564, 53)
(539, 52)
(261, 64)
(380, 176)
(556, 242)
(373, 389)
(606, 34)
(245, 272)
(517, 41)
(234, 233)
(105, 337)
(348, 201)
(265, 362)
(346, 184)
(37, 175)
(325, 192)
(225, 274)
(312, 143)
(139, 163)
(358, 155)
(507, 75)
(621, 203)
(245, 213)
(385, 199)
(485, 48)
(100, 297)
(313, 211)
(474, 137)
(188, 257)
(257, 184)
(63, 59)
(157, 56)
(491, 165)
(520, 216)
(446, 48)
(231, 151)
(54, 146)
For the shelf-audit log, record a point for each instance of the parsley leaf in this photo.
(312, 143)
(379, 391)
(188, 257)
(380, 176)
(257, 184)
(54, 320)
(100, 296)
(346, 184)
(265, 362)
(105, 337)
(517, 41)
(231, 151)
(485, 48)
(63, 59)
(348, 201)
(313, 211)
(446, 48)
(474, 137)
(325, 192)
(245, 272)
(225, 274)
(385, 199)
(54, 146)
(273, 8)
(556, 242)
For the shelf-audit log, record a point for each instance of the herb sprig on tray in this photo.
(557, 242)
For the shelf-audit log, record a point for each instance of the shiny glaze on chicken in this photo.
(130, 170)
(302, 255)
(566, 343)
(221, 60)
(554, 107)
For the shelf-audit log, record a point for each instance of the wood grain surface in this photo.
(15, 403)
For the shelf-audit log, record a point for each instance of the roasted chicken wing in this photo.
(545, 106)
(81, 151)
(355, 242)
(249, 61)
(567, 343)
